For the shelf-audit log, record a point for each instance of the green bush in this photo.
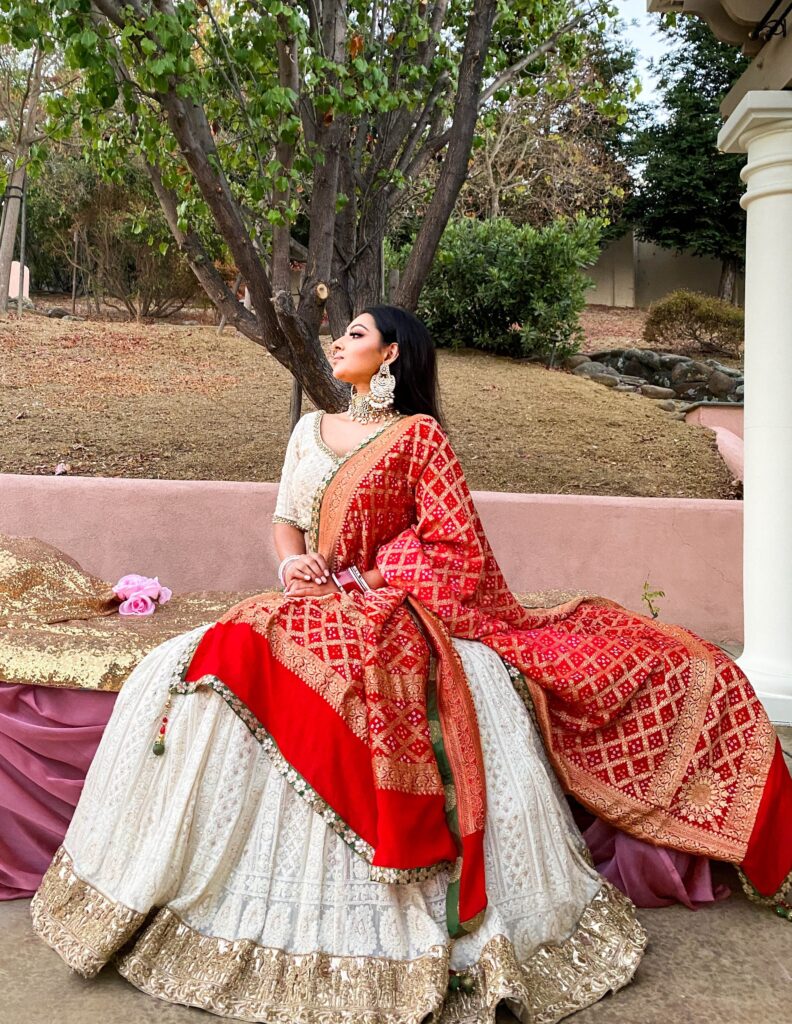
(514, 290)
(126, 256)
(691, 318)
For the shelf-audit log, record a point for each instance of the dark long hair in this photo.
(415, 369)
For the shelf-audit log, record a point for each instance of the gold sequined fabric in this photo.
(59, 625)
(549, 598)
(241, 979)
(99, 653)
(39, 583)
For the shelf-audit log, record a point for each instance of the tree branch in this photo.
(510, 73)
(452, 175)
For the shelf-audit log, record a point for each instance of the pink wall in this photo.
(214, 535)
(728, 416)
(727, 423)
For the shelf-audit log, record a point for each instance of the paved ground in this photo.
(730, 964)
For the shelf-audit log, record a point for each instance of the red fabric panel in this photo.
(472, 885)
(308, 732)
(768, 859)
(412, 831)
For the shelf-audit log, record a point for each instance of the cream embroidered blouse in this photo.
(308, 461)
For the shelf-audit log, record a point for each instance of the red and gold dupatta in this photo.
(339, 689)
(648, 725)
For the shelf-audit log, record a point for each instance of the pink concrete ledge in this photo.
(215, 535)
(727, 423)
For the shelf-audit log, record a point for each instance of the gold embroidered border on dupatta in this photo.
(239, 978)
(652, 821)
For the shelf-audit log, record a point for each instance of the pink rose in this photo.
(138, 604)
(129, 585)
(134, 584)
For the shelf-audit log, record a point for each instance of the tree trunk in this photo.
(25, 138)
(339, 303)
(368, 267)
(13, 205)
(455, 164)
(727, 288)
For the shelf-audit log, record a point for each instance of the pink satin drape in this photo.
(48, 738)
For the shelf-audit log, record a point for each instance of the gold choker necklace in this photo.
(363, 410)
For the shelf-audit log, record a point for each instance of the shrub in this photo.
(690, 318)
(126, 255)
(510, 289)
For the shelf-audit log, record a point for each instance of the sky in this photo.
(644, 37)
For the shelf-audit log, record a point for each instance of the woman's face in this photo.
(357, 355)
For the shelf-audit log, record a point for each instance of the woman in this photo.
(353, 818)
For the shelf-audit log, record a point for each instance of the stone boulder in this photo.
(590, 367)
(604, 378)
(670, 359)
(721, 384)
(661, 375)
(653, 391)
(691, 371)
(575, 360)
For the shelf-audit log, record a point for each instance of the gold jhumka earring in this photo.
(378, 403)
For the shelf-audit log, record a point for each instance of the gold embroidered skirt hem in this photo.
(165, 957)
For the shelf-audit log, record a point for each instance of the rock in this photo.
(189, 323)
(693, 392)
(660, 375)
(26, 303)
(604, 378)
(669, 359)
(739, 391)
(589, 367)
(669, 405)
(731, 371)
(690, 371)
(653, 391)
(647, 357)
(71, 316)
(720, 384)
(58, 312)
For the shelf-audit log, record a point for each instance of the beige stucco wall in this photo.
(614, 275)
(631, 273)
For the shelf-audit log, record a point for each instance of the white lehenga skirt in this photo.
(210, 882)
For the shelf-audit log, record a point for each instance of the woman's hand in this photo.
(299, 588)
(308, 568)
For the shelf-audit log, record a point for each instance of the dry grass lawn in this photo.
(162, 400)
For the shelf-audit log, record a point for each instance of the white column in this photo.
(761, 126)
